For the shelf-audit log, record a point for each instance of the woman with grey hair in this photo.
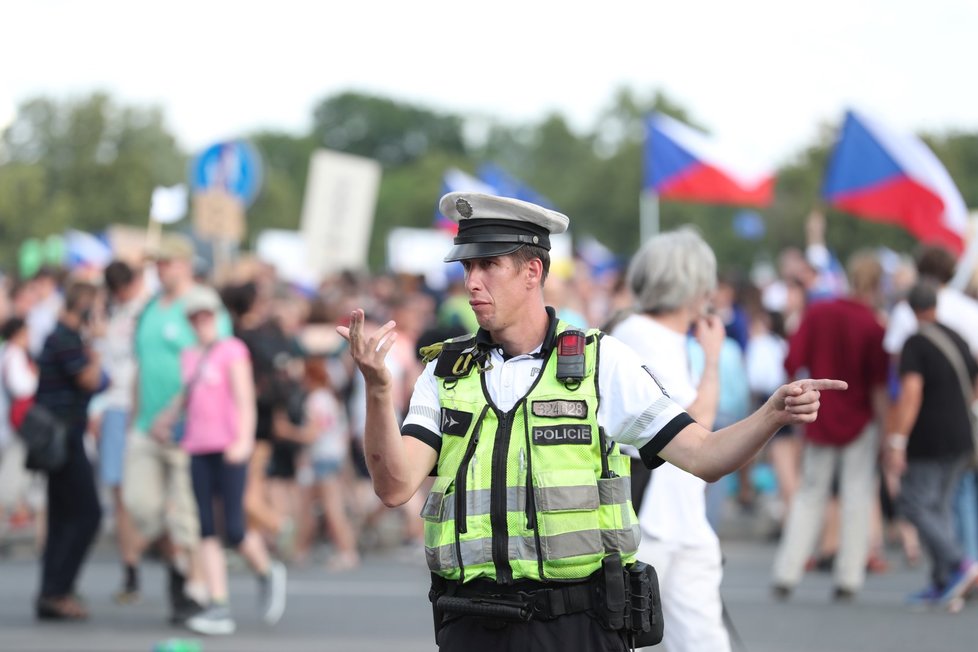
(672, 278)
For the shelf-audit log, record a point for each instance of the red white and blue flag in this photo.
(686, 164)
(454, 180)
(886, 175)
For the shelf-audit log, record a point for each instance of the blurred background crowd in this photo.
(307, 491)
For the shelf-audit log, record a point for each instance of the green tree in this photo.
(394, 133)
(83, 164)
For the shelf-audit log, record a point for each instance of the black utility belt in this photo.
(515, 605)
(620, 598)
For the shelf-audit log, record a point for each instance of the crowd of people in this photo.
(175, 390)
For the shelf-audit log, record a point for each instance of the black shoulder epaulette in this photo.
(455, 356)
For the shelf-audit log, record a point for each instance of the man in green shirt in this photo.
(156, 482)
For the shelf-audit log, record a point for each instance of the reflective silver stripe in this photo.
(571, 544)
(441, 558)
(478, 502)
(555, 499)
(523, 548)
(641, 424)
(559, 546)
(549, 499)
(615, 491)
(475, 551)
(620, 540)
(425, 412)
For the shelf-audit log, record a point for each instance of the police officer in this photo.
(530, 533)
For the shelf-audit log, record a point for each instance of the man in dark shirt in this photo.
(70, 374)
(931, 443)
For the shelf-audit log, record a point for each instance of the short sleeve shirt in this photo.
(633, 410)
(212, 413)
(942, 428)
(162, 333)
(63, 358)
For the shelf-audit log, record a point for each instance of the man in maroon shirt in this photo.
(841, 339)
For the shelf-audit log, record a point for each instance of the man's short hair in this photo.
(936, 262)
(118, 275)
(78, 294)
(526, 253)
(923, 295)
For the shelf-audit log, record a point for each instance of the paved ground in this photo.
(382, 607)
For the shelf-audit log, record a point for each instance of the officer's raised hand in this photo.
(369, 351)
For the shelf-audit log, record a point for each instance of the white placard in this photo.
(417, 251)
(338, 211)
(168, 205)
(286, 252)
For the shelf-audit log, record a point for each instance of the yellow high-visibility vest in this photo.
(534, 493)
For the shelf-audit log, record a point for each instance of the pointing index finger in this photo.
(825, 383)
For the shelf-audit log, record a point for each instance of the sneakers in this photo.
(271, 592)
(959, 583)
(129, 593)
(182, 607)
(215, 620)
(781, 592)
(925, 597)
(842, 594)
(183, 610)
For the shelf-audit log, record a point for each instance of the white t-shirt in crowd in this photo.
(17, 380)
(116, 349)
(764, 359)
(674, 505)
(955, 309)
(328, 417)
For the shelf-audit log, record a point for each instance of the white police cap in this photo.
(495, 226)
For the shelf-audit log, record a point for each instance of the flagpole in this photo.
(648, 212)
(967, 264)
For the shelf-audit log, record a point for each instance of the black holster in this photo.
(645, 605)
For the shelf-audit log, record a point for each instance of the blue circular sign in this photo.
(233, 166)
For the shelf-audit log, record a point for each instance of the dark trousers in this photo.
(74, 514)
(578, 631)
(926, 494)
(213, 477)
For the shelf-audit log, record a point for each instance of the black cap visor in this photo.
(481, 250)
(485, 238)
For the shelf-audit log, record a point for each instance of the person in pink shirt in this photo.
(218, 406)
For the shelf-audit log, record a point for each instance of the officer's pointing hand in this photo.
(369, 351)
(798, 402)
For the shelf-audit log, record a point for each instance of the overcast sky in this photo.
(760, 74)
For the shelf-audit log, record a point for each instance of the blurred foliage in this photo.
(87, 163)
(81, 164)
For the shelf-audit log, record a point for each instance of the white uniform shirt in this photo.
(633, 410)
(674, 505)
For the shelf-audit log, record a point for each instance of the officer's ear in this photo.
(534, 273)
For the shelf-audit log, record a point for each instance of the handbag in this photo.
(46, 439)
(946, 346)
(179, 427)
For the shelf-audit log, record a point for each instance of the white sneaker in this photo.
(215, 620)
(272, 592)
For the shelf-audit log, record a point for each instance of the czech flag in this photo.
(686, 164)
(507, 185)
(454, 180)
(884, 175)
